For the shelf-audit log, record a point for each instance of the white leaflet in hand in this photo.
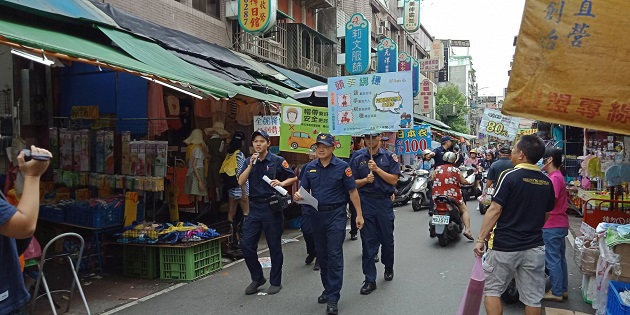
(278, 188)
(307, 199)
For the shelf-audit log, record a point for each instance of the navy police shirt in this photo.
(385, 160)
(325, 183)
(275, 167)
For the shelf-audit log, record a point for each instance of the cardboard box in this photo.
(66, 149)
(108, 143)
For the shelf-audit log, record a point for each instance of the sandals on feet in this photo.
(469, 236)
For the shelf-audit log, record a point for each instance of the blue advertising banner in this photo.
(358, 44)
(370, 103)
(414, 140)
(387, 55)
(415, 74)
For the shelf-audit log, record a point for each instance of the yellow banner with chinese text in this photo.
(571, 65)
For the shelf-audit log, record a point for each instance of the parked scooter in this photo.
(468, 190)
(420, 190)
(446, 223)
(403, 186)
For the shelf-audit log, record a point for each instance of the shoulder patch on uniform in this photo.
(285, 164)
(348, 172)
(395, 157)
(312, 171)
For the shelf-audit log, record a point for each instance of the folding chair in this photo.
(41, 278)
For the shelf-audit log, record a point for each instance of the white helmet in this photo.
(449, 157)
(426, 151)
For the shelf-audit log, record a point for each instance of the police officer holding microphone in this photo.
(330, 181)
(261, 216)
(376, 171)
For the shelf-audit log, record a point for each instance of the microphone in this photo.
(255, 160)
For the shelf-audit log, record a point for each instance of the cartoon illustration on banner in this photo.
(358, 44)
(498, 125)
(414, 140)
(299, 126)
(369, 103)
(257, 16)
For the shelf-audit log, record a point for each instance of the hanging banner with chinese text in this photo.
(414, 140)
(426, 96)
(437, 51)
(411, 15)
(498, 125)
(370, 103)
(428, 65)
(270, 124)
(387, 55)
(415, 76)
(404, 62)
(257, 16)
(299, 126)
(358, 44)
(571, 65)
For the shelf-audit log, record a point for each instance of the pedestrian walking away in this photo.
(330, 181)
(261, 215)
(516, 246)
(376, 172)
(556, 229)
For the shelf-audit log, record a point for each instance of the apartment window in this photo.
(209, 7)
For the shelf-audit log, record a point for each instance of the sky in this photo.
(490, 25)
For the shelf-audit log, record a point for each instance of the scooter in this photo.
(403, 186)
(446, 223)
(468, 190)
(483, 208)
(420, 190)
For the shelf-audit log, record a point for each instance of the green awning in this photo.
(455, 133)
(152, 54)
(282, 15)
(279, 87)
(77, 47)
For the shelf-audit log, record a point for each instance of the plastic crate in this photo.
(100, 215)
(192, 262)
(140, 262)
(614, 306)
(52, 213)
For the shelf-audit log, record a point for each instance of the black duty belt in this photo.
(260, 200)
(330, 207)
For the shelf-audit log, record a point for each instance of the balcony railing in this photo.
(319, 4)
(271, 47)
(310, 51)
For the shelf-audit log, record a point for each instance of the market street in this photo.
(428, 280)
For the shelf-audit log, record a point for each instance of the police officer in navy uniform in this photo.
(331, 182)
(261, 217)
(376, 172)
(307, 222)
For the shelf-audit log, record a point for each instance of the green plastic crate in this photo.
(140, 262)
(190, 263)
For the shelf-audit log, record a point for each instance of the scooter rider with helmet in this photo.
(446, 182)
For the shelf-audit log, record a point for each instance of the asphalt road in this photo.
(428, 279)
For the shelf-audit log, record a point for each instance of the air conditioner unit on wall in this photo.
(373, 64)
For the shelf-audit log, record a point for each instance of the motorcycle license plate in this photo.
(440, 219)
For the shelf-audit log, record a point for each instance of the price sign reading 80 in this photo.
(496, 128)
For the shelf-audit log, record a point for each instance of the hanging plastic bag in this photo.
(471, 301)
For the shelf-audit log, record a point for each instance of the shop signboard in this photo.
(437, 51)
(460, 43)
(257, 16)
(376, 102)
(270, 124)
(443, 73)
(358, 44)
(426, 96)
(498, 125)
(387, 55)
(411, 15)
(429, 65)
(84, 112)
(404, 61)
(300, 125)
(556, 77)
(413, 140)
(530, 131)
(415, 76)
